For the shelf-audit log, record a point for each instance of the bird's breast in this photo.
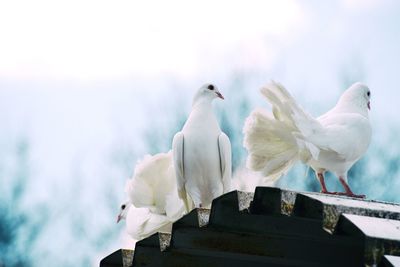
(201, 155)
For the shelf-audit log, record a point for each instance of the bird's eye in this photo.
(210, 87)
(123, 206)
(369, 93)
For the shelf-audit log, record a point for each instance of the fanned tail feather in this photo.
(153, 179)
(272, 150)
(276, 141)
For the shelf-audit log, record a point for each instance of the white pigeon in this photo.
(332, 142)
(202, 153)
(141, 222)
(153, 200)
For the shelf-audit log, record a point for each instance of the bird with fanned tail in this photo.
(332, 142)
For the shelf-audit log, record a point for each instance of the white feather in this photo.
(153, 199)
(152, 181)
(141, 223)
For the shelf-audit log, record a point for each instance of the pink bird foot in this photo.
(328, 192)
(348, 194)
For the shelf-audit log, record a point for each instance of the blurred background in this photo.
(89, 87)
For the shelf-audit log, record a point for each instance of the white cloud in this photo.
(363, 4)
(93, 39)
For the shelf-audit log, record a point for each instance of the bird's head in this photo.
(207, 92)
(357, 96)
(123, 211)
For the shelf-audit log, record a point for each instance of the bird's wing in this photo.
(142, 223)
(348, 134)
(225, 157)
(177, 151)
(174, 208)
(155, 224)
(136, 219)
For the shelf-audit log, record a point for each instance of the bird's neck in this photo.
(202, 103)
(202, 113)
(355, 106)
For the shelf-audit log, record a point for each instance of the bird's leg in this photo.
(346, 187)
(322, 182)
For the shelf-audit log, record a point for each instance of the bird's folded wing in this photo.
(342, 131)
(178, 150)
(142, 223)
(154, 224)
(174, 208)
(225, 157)
(136, 219)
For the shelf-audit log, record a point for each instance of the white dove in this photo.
(153, 200)
(332, 142)
(141, 222)
(202, 153)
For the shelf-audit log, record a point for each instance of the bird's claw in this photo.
(350, 195)
(328, 193)
(356, 196)
(344, 194)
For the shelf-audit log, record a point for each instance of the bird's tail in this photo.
(272, 150)
(276, 141)
(151, 181)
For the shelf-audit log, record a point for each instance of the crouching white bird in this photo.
(332, 142)
(153, 200)
(202, 153)
(141, 222)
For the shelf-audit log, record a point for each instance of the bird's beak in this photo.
(219, 95)
(369, 105)
(119, 218)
